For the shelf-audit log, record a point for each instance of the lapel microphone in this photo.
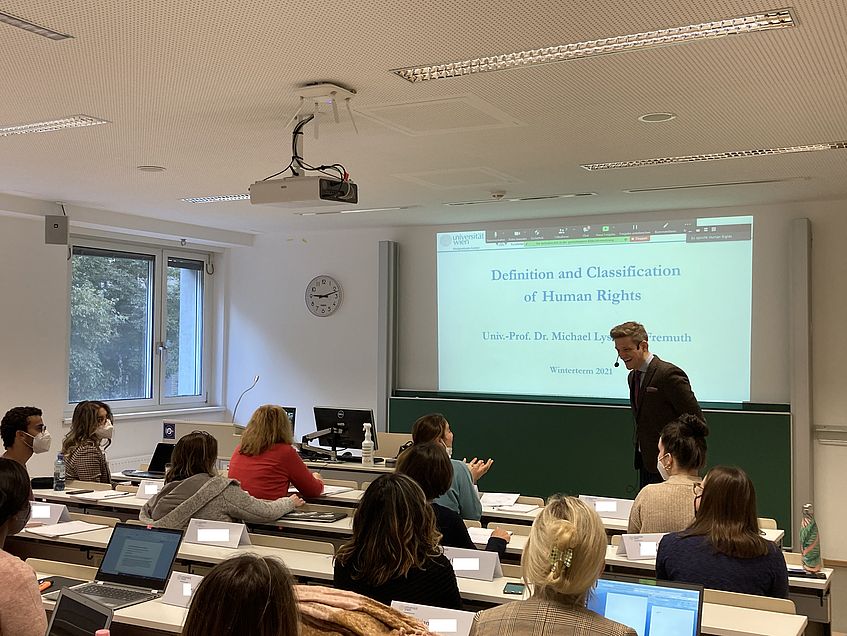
(617, 364)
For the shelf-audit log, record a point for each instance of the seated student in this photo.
(669, 506)
(247, 594)
(21, 611)
(24, 433)
(463, 496)
(561, 563)
(84, 457)
(266, 463)
(429, 465)
(722, 549)
(194, 490)
(394, 552)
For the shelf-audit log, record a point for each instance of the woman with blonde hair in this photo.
(562, 561)
(194, 490)
(85, 460)
(265, 462)
(394, 553)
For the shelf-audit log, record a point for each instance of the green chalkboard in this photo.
(542, 448)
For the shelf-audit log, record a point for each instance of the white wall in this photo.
(302, 360)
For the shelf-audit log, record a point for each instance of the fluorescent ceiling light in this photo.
(723, 184)
(32, 28)
(352, 211)
(542, 197)
(74, 121)
(218, 198)
(715, 156)
(775, 19)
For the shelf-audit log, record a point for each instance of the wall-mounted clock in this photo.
(323, 295)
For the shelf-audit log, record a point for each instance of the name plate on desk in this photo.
(181, 588)
(474, 564)
(148, 489)
(219, 533)
(48, 514)
(609, 507)
(438, 619)
(640, 546)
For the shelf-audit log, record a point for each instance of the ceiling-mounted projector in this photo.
(303, 192)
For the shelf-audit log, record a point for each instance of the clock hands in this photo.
(323, 295)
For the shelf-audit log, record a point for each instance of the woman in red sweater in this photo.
(266, 463)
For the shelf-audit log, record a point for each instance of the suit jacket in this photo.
(538, 617)
(665, 394)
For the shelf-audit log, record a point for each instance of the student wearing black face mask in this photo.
(21, 611)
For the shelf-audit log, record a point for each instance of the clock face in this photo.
(323, 295)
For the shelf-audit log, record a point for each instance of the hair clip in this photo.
(560, 558)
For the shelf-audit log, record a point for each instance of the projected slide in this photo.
(528, 310)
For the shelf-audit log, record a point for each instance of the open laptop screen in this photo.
(140, 556)
(75, 615)
(650, 607)
(161, 457)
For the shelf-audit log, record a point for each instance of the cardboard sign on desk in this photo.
(148, 488)
(438, 619)
(640, 546)
(181, 588)
(219, 533)
(474, 564)
(48, 514)
(609, 507)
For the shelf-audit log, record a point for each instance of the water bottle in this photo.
(59, 473)
(367, 447)
(810, 541)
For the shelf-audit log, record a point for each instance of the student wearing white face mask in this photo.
(669, 506)
(84, 457)
(24, 433)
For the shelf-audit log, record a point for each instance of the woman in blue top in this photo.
(463, 496)
(723, 549)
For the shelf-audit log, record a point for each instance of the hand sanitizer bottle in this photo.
(367, 447)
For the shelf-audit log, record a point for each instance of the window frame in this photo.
(160, 254)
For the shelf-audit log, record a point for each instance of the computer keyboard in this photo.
(117, 593)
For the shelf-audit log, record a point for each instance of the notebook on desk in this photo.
(156, 469)
(650, 607)
(135, 567)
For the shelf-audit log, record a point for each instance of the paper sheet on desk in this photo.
(480, 536)
(335, 490)
(498, 499)
(97, 495)
(62, 529)
(518, 508)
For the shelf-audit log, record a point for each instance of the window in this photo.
(137, 325)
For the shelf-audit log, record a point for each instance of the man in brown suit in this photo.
(659, 392)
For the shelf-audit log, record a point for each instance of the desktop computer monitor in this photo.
(347, 422)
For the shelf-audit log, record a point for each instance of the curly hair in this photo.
(15, 420)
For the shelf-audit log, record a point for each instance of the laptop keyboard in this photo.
(117, 593)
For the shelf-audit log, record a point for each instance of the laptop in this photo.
(75, 615)
(135, 568)
(650, 607)
(156, 469)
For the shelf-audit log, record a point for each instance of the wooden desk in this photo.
(718, 620)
